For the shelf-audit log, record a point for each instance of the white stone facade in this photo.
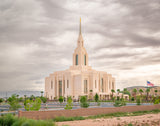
(80, 79)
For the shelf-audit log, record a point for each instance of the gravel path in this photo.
(144, 120)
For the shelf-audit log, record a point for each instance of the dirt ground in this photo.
(144, 120)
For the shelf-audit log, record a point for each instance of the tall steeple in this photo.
(80, 56)
(80, 27)
(80, 38)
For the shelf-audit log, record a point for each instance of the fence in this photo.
(83, 112)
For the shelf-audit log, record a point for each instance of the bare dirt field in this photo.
(144, 120)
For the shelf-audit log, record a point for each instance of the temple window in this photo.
(76, 59)
(84, 59)
(85, 86)
(67, 83)
(102, 84)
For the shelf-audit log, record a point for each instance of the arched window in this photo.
(85, 86)
(84, 59)
(102, 84)
(76, 59)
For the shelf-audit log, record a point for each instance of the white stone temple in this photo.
(80, 79)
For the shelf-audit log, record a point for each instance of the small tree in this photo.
(13, 102)
(31, 105)
(96, 97)
(1, 100)
(69, 103)
(61, 99)
(84, 103)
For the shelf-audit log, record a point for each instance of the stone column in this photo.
(57, 87)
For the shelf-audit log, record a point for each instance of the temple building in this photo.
(80, 79)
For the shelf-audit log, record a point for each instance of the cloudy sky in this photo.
(38, 37)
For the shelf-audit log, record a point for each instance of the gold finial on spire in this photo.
(80, 27)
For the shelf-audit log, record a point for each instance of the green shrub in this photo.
(62, 118)
(61, 99)
(132, 99)
(32, 105)
(84, 103)
(20, 99)
(119, 103)
(138, 100)
(44, 99)
(10, 120)
(156, 101)
(7, 120)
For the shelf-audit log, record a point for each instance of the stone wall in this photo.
(83, 112)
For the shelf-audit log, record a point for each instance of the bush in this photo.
(156, 101)
(84, 103)
(138, 100)
(10, 120)
(20, 99)
(132, 99)
(7, 120)
(61, 99)
(62, 118)
(69, 103)
(119, 103)
(33, 105)
(44, 99)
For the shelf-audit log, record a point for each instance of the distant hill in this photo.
(130, 88)
(20, 93)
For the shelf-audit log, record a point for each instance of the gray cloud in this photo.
(39, 37)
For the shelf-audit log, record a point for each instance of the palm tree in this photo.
(140, 91)
(155, 92)
(147, 90)
(41, 93)
(135, 92)
(118, 90)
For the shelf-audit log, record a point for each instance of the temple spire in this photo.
(80, 27)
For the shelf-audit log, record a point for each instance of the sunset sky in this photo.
(38, 37)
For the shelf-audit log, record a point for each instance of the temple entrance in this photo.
(60, 88)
